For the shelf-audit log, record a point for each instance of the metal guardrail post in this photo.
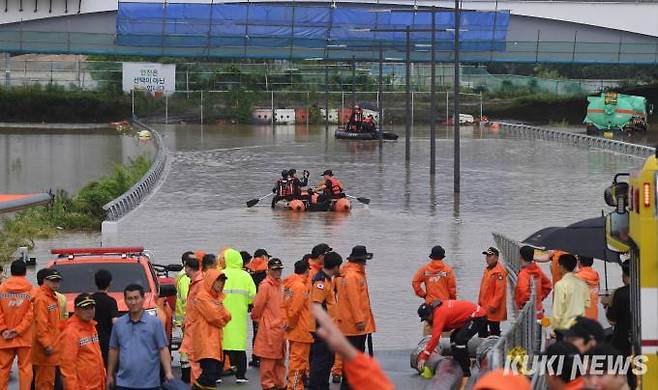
(125, 203)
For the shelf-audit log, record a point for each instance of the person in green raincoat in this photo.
(240, 292)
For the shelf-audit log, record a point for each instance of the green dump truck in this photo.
(612, 111)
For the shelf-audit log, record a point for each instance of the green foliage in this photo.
(82, 212)
(58, 104)
(240, 103)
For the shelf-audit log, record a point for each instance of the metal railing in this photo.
(524, 335)
(569, 137)
(509, 251)
(122, 205)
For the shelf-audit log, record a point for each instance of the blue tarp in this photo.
(294, 30)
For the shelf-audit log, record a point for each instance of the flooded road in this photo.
(509, 185)
(34, 160)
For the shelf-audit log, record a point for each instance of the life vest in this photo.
(284, 187)
(336, 186)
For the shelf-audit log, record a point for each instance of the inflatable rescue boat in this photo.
(342, 205)
(367, 136)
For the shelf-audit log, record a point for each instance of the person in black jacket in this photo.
(618, 313)
(106, 310)
(297, 184)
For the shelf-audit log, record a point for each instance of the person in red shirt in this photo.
(530, 270)
(463, 318)
(493, 292)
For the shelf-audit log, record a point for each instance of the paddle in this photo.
(360, 199)
(253, 202)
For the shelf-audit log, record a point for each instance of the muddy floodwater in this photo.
(35, 160)
(509, 185)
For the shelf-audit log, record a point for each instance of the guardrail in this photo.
(569, 137)
(122, 205)
(523, 338)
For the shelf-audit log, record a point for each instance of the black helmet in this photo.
(284, 173)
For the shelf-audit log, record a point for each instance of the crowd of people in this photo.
(310, 328)
(575, 329)
(290, 187)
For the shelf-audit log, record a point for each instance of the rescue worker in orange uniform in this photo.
(210, 317)
(435, 280)
(364, 371)
(16, 319)
(355, 317)
(45, 351)
(322, 294)
(82, 361)
(270, 344)
(530, 270)
(316, 261)
(257, 268)
(196, 278)
(463, 318)
(589, 275)
(297, 307)
(552, 256)
(330, 187)
(493, 292)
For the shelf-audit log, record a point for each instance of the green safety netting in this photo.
(294, 30)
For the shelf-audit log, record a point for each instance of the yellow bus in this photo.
(633, 228)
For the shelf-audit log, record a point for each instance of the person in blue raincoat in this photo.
(240, 292)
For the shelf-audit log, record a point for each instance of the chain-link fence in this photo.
(299, 107)
(78, 72)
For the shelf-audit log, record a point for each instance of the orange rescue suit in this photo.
(522, 291)
(354, 301)
(17, 314)
(366, 374)
(555, 273)
(334, 186)
(439, 280)
(591, 277)
(46, 327)
(270, 344)
(296, 305)
(209, 318)
(268, 312)
(493, 293)
(82, 362)
(315, 265)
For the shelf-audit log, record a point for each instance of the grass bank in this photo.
(82, 212)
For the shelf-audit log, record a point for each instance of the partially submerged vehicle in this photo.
(616, 112)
